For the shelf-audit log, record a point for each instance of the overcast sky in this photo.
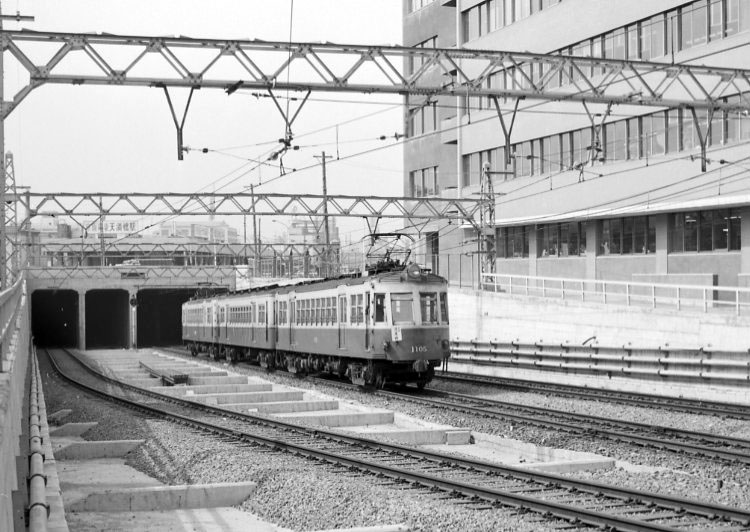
(116, 139)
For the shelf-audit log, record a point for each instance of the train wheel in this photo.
(421, 385)
(194, 350)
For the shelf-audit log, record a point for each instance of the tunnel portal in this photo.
(54, 318)
(160, 316)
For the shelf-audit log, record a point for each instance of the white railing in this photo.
(654, 295)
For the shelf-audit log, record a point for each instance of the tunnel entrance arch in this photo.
(107, 319)
(54, 318)
(160, 316)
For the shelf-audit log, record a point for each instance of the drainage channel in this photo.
(578, 502)
(690, 406)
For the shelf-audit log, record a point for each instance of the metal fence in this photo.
(654, 295)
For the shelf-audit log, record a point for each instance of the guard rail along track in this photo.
(693, 406)
(663, 363)
(578, 502)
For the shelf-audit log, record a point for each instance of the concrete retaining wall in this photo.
(485, 316)
(13, 392)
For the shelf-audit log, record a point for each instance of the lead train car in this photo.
(388, 327)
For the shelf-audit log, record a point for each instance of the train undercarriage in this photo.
(362, 372)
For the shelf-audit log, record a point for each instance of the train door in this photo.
(367, 321)
(275, 322)
(253, 321)
(265, 318)
(292, 319)
(215, 323)
(342, 321)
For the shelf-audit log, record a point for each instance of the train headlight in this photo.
(413, 271)
(445, 344)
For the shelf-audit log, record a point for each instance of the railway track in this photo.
(724, 448)
(692, 406)
(566, 502)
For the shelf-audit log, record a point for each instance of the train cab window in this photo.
(402, 308)
(379, 308)
(428, 305)
(444, 307)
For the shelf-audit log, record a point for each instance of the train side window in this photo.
(428, 305)
(402, 310)
(379, 308)
(360, 308)
(353, 310)
(444, 307)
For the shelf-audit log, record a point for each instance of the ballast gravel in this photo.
(293, 492)
(658, 471)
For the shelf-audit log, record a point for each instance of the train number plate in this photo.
(396, 333)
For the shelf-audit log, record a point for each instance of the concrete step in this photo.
(284, 407)
(341, 419)
(188, 370)
(229, 379)
(72, 429)
(249, 397)
(144, 383)
(166, 498)
(420, 436)
(214, 388)
(89, 450)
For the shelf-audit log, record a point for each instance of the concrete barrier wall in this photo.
(12, 395)
(486, 316)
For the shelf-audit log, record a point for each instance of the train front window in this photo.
(401, 308)
(444, 307)
(428, 306)
(379, 308)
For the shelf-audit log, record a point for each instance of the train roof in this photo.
(323, 284)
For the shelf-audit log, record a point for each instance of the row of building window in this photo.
(422, 119)
(492, 15)
(695, 231)
(691, 25)
(704, 231)
(415, 5)
(660, 133)
(424, 182)
(416, 61)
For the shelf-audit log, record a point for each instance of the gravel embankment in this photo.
(647, 469)
(292, 492)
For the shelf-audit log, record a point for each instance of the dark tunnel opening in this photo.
(160, 316)
(54, 318)
(107, 319)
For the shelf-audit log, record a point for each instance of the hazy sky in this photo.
(116, 139)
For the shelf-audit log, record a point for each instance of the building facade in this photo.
(614, 194)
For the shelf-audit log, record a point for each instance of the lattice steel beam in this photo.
(104, 59)
(73, 247)
(176, 204)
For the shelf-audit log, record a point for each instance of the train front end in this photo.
(411, 324)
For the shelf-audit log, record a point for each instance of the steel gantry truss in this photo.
(273, 204)
(254, 64)
(230, 65)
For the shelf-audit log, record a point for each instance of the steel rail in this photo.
(741, 455)
(693, 406)
(673, 504)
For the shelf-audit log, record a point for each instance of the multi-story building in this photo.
(618, 195)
